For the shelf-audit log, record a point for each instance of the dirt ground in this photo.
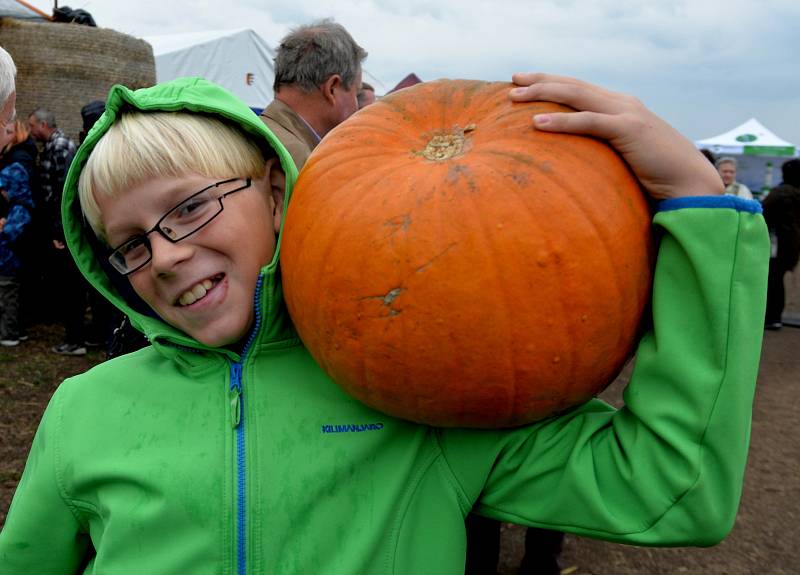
(29, 374)
(764, 541)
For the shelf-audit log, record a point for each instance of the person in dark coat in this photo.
(20, 149)
(782, 214)
(15, 218)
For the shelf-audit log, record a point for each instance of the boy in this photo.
(213, 451)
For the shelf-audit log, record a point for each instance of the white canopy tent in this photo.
(759, 153)
(239, 60)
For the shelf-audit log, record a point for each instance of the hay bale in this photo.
(61, 66)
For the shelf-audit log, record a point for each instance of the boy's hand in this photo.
(667, 164)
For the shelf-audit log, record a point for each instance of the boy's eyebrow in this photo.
(127, 228)
(169, 195)
(115, 237)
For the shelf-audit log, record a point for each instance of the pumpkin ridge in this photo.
(332, 162)
(549, 249)
(327, 229)
(374, 126)
(586, 215)
(621, 297)
(406, 111)
(484, 110)
(611, 266)
(492, 341)
(337, 226)
(374, 396)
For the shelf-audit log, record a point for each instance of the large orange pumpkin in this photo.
(447, 263)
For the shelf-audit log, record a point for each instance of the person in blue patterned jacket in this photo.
(16, 191)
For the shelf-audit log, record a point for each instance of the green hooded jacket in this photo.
(182, 459)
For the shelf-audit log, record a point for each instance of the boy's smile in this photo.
(204, 284)
(199, 291)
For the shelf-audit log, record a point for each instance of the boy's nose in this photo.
(165, 255)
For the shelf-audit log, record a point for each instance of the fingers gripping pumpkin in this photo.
(446, 263)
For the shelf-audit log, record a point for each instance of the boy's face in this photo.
(219, 264)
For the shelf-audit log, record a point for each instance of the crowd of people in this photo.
(33, 255)
(535, 473)
(781, 206)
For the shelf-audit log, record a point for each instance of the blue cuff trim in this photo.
(732, 202)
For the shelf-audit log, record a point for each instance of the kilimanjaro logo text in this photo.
(352, 428)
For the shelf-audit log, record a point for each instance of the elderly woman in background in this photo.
(726, 166)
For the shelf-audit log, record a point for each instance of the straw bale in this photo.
(61, 67)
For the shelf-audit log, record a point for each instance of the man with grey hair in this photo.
(317, 80)
(54, 162)
(8, 88)
(726, 166)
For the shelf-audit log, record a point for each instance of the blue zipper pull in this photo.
(235, 394)
(236, 406)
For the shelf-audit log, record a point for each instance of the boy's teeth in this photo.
(198, 291)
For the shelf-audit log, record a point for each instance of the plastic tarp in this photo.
(238, 60)
(759, 153)
(20, 10)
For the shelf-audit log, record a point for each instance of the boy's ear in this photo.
(277, 184)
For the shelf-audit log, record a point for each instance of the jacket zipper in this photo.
(237, 418)
(236, 395)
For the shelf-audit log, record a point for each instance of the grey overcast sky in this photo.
(704, 66)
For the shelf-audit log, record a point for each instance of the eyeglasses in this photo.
(177, 224)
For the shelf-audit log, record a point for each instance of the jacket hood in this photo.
(184, 94)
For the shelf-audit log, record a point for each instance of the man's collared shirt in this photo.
(54, 162)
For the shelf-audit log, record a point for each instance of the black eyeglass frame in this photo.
(116, 257)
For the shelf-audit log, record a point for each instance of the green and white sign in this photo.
(783, 151)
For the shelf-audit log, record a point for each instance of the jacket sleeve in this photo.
(667, 468)
(42, 533)
(18, 219)
(14, 179)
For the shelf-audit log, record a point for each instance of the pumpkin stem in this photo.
(445, 146)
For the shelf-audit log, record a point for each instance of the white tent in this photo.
(239, 60)
(759, 153)
(751, 138)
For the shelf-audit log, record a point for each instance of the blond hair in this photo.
(140, 146)
(21, 133)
